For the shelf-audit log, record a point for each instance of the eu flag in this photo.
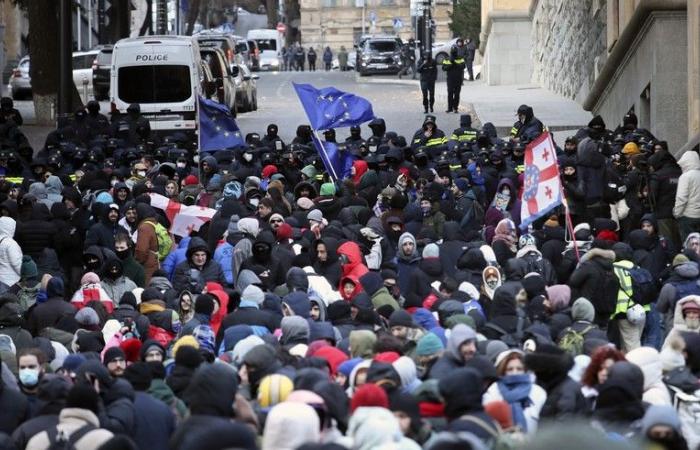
(338, 162)
(331, 108)
(217, 127)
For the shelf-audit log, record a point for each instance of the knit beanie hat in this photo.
(276, 216)
(305, 203)
(346, 367)
(284, 232)
(677, 260)
(28, 269)
(369, 394)
(139, 375)
(630, 148)
(274, 389)
(185, 341)
(151, 293)
(204, 304)
(233, 224)
(327, 189)
(401, 318)
(73, 362)
(111, 354)
(205, 337)
(428, 345)
(87, 317)
(128, 298)
(431, 251)
(254, 294)
(191, 180)
(316, 215)
(132, 349)
(188, 356)
(90, 278)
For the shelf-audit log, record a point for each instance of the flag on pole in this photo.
(183, 219)
(542, 186)
(332, 108)
(338, 162)
(217, 127)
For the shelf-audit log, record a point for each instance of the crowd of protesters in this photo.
(401, 307)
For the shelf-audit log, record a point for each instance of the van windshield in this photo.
(154, 84)
(266, 44)
(382, 46)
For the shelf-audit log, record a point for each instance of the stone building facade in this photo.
(612, 56)
(339, 22)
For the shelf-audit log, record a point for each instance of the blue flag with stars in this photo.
(217, 127)
(332, 108)
(338, 162)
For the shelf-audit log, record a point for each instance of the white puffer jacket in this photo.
(10, 252)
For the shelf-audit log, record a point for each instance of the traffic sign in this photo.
(281, 28)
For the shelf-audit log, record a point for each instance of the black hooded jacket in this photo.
(451, 248)
(663, 183)
(189, 277)
(36, 233)
(330, 268)
(462, 390)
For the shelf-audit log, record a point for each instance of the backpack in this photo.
(609, 286)
(643, 285)
(59, 441)
(165, 242)
(572, 340)
(512, 340)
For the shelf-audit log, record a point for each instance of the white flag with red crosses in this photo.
(541, 184)
(183, 219)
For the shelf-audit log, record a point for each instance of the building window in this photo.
(644, 116)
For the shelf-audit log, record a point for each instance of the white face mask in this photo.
(195, 158)
(248, 157)
(141, 173)
(181, 165)
(254, 202)
(114, 182)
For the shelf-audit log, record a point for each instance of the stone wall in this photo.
(507, 50)
(568, 45)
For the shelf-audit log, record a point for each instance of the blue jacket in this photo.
(155, 423)
(175, 257)
(224, 256)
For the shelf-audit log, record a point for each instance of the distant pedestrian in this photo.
(327, 58)
(343, 59)
(299, 56)
(428, 74)
(454, 66)
(311, 56)
(469, 57)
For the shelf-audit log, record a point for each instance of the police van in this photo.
(163, 74)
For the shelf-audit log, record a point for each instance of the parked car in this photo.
(20, 85)
(254, 55)
(242, 51)
(379, 54)
(441, 51)
(224, 41)
(222, 76)
(352, 57)
(246, 89)
(101, 72)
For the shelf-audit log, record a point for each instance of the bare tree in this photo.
(192, 15)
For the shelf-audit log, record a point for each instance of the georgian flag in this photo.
(541, 186)
(183, 219)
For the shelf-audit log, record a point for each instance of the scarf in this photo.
(515, 389)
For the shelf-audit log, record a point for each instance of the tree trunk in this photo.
(192, 15)
(147, 26)
(43, 52)
(271, 7)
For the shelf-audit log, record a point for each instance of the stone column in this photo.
(693, 68)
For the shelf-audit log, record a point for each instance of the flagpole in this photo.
(329, 166)
(199, 137)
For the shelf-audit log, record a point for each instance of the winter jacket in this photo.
(663, 183)
(154, 422)
(189, 277)
(330, 268)
(451, 248)
(533, 404)
(37, 233)
(90, 292)
(406, 264)
(146, 250)
(564, 398)
(10, 253)
(50, 312)
(586, 280)
(682, 282)
(126, 313)
(224, 256)
(679, 325)
(71, 420)
(11, 325)
(103, 232)
(354, 267)
(649, 360)
(591, 169)
(116, 288)
(175, 257)
(428, 271)
(13, 408)
(688, 193)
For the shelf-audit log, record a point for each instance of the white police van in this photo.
(163, 74)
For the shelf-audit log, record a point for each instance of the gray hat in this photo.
(87, 317)
(254, 294)
(315, 215)
(233, 224)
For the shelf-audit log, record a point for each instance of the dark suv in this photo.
(379, 54)
(101, 73)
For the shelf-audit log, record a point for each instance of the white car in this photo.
(442, 50)
(20, 85)
(352, 56)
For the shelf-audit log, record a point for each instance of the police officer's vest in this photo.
(464, 134)
(624, 295)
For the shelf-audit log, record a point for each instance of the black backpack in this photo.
(514, 339)
(59, 441)
(609, 286)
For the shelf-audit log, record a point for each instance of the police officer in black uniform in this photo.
(454, 66)
(428, 75)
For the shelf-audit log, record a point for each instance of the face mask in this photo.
(141, 173)
(113, 182)
(506, 191)
(248, 157)
(29, 377)
(195, 158)
(123, 254)
(425, 209)
(692, 324)
(181, 165)
(254, 201)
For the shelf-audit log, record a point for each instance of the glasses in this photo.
(276, 221)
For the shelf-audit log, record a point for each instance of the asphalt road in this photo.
(397, 101)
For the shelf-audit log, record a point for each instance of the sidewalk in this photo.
(498, 104)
